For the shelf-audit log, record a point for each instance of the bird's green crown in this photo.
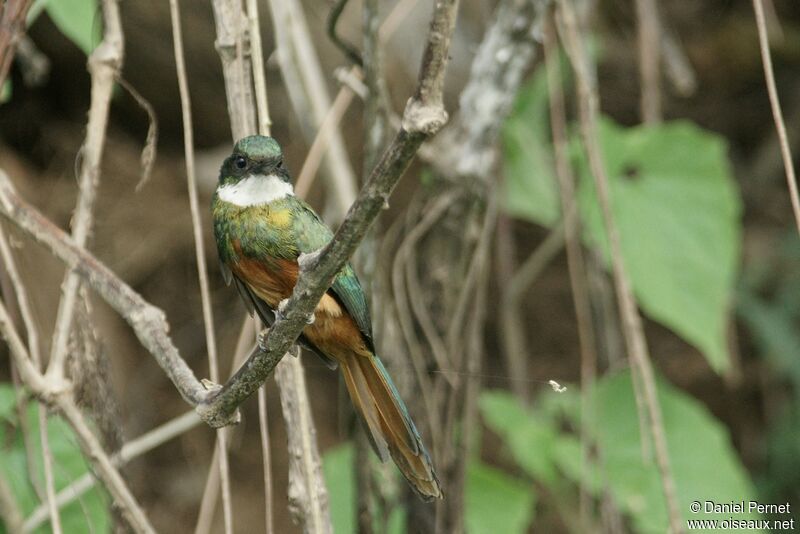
(253, 155)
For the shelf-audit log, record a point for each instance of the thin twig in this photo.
(777, 114)
(93, 450)
(205, 516)
(346, 48)
(512, 322)
(575, 261)
(147, 321)
(631, 320)
(466, 395)
(12, 20)
(677, 67)
(319, 146)
(49, 477)
(33, 348)
(263, 425)
(200, 255)
(649, 30)
(10, 512)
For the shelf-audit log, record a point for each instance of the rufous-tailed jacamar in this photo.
(261, 229)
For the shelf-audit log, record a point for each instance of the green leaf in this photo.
(530, 187)
(678, 213)
(7, 401)
(496, 502)
(87, 514)
(533, 439)
(775, 331)
(704, 463)
(79, 20)
(337, 466)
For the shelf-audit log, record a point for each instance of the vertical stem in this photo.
(199, 248)
(575, 261)
(257, 58)
(308, 497)
(777, 114)
(263, 424)
(33, 349)
(631, 320)
(230, 25)
(649, 37)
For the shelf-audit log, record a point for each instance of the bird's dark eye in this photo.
(240, 162)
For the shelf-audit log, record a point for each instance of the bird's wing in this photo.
(311, 235)
(254, 303)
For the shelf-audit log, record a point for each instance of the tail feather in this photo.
(386, 418)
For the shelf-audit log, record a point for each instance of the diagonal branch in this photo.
(423, 117)
(147, 321)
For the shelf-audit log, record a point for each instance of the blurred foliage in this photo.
(78, 20)
(5, 92)
(339, 471)
(675, 203)
(704, 463)
(530, 186)
(768, 303)
(678, 213)
(90, 513)
(495, 501)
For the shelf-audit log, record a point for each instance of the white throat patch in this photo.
(254, 190)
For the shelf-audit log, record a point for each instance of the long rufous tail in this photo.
(389, 426)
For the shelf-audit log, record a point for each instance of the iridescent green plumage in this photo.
(261, 230)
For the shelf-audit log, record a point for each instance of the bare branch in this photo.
(104, 66)
(147, 321)
(59, 394)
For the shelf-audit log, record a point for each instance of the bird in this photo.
(261, 229)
